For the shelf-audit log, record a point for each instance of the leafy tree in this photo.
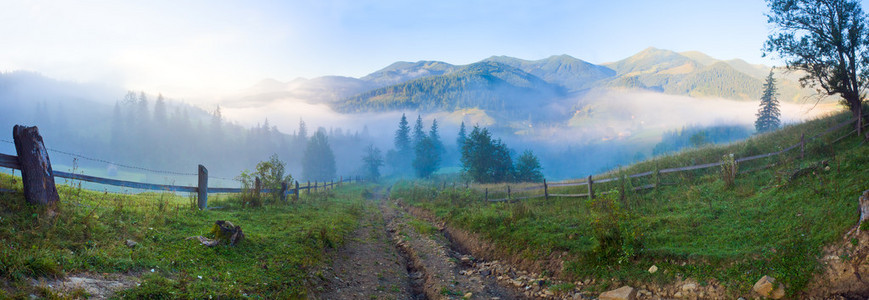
(373, 161)
(528, 168)
(768, 114)
(319, 161)
(427, 157)
(828, 40)
(486, 160)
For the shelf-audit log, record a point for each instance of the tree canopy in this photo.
(319, 161)
(827, 39)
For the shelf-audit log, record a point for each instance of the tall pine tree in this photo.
(463, 135)
(768, 114)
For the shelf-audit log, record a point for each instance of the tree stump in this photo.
(36, 173)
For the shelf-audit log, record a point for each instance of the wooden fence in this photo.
(590, 181)
(202, 189)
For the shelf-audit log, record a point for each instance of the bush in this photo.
(618, 239)
(271, 175)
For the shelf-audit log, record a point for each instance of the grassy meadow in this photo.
(89, 230)
(772, 220)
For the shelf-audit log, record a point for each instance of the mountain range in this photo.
(507, 85)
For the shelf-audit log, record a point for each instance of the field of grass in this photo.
(768, 222)
(89, 230)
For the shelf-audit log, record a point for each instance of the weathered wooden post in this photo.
(203, 188)
(296, 191)
(36, 173)
(545, 190)
(258, 186)
(508, 193)
(284, 191)
(308, 188)
(590, 188)
(487, 195)
(315, 186)
(802, 145)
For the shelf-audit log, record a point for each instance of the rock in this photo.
(678, 295)
(653, 269)
(645, 293)
(622, 293)
(131, 243)
(468, 295)
(689, 287)
(767, 287)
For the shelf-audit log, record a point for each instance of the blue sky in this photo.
(205, 49)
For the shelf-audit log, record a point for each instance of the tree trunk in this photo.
(36, 173)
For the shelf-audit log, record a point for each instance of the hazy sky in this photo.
(198, 50)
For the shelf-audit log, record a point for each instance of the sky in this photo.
(201, 50)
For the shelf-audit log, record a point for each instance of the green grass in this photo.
(765, 224)
(89, 230)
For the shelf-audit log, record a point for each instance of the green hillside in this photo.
(485, 85)
(565, 70)
(773, 219)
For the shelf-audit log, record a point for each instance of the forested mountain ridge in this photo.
(433, 85)
(571, 73)
(486, 85)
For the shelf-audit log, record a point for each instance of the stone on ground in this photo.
(766, 287)
(622, 293)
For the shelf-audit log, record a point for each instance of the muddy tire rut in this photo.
(437, 268)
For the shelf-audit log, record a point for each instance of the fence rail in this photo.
(11, 161)
(590, 181)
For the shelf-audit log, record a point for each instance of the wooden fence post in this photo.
(203, 188)
(487, 195)
(36, 173)
(315, 186)
(508, 193)
(545, 190)
(258, 186)
(802, 145)
(284, 191)
(297, 191)
(590, 188)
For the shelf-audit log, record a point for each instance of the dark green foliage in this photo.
(427, 157)
(319, 161)
(271, 174)
(418, 131)
(768, 114)
(436, 137)
(486, 160)
(528, 168)
(463, 135)
(400, 159)
(828, 40)
(373, 160)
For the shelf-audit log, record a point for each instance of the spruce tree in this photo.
(418, 132)
(436, 137)
(768, 114)
(463, 135)
(319, 160)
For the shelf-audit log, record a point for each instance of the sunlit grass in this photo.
(88, 235)
(766, 224)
